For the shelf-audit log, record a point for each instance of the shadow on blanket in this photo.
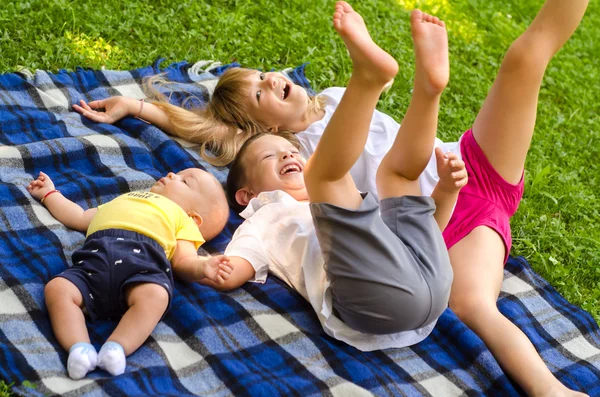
(257, 340)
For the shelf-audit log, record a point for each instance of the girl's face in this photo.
(272, 163)
(277, 103)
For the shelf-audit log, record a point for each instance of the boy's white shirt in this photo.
(382, 133)
(278, 236)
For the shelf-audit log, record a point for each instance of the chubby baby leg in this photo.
(64, 302)
(147, 304)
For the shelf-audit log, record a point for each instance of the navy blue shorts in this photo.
(108, 262)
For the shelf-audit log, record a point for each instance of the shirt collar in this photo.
(264, 198)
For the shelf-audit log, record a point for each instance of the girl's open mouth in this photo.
(286, 91)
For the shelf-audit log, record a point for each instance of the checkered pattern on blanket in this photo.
(259, 340)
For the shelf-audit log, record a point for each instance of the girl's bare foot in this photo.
(368, 59)
(431, 51)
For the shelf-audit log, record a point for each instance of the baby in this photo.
(134, 245)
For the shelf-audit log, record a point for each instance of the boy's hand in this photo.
(39, 187)
(217, 268)
(451, 170)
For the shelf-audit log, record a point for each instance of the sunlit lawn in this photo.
(557, 226)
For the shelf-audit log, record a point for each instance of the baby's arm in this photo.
(117, 107)
(189, 266)
(453, 176)
(64, 210)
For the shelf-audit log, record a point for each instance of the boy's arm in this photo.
(242, 272)
(189, 266)
(245, 243)
(453, 176)
(64, 210)
(444, 204)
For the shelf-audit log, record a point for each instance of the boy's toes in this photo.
(345, 6)
(416, 15)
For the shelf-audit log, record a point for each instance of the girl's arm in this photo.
(64, 210)
(117, 107)
(174, 120)
(189, 266)
(453, 176)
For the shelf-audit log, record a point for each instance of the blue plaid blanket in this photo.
(259, 340)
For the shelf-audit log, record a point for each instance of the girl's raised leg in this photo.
(477, 261)
(327, 171)
(503, 129)
(504, 126)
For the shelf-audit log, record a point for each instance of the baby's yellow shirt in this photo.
(149, 214)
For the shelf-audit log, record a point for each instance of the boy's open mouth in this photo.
(290, 169)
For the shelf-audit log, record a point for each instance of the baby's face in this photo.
(273, 163)
(187, 188)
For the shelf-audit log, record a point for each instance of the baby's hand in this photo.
(451, 170)
(217, 268)
(39, 187)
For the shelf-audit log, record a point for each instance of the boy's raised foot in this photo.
(431, 52)
(370, 62)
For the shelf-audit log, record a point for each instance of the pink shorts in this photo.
(486, 200)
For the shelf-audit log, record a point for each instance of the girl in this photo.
(494, 150)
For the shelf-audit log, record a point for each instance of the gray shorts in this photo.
(390, 272)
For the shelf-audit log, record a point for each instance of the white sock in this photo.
(82, 359)
(111, 358)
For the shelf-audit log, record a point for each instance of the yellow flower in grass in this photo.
(94, 51)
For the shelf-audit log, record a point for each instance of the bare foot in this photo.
(431, 51)
(368, 59)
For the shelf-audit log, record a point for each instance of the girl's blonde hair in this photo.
(223, 125)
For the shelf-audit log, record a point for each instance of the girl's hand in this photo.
(115, 108)
(217, 268)
(451, 170)
(39, 187)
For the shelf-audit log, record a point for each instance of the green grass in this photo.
(5, 389)
(557, 225)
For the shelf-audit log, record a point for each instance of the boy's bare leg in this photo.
(504, 126)
(399, 170)
(147, 303)
(327, 171)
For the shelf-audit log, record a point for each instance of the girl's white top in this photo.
(278, 236)
(381, 137)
